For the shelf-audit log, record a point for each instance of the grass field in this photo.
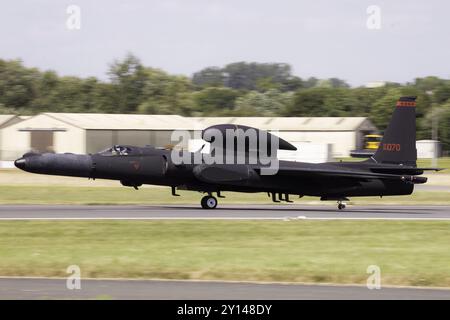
(157, 195)
(408, 252)
(443, 162)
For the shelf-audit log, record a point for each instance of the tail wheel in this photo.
(208, 202)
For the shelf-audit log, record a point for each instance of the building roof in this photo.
(289, 123)
(6, 117)
(101, 121)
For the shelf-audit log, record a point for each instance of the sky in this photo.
(317, 38)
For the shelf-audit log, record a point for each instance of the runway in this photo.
(233, 212)
(29, 288)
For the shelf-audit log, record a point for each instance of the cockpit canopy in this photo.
(126, 150)
(117, 150)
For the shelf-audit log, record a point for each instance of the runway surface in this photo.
(20, 288)
(23, 288)
(244, 212)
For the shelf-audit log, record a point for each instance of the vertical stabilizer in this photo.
(398, 145)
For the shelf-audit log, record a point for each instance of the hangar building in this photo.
(5, 121)
(89, 132)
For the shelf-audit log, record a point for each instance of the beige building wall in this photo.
(16, 139)
(98, 140)
(73, 140)
(5, 121)
(14, 143)
(90, 133)
(342, 141)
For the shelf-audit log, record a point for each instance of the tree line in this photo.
(237, 89)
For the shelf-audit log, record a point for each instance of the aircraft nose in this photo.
(20, 163)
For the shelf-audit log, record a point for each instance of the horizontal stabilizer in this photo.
(402, 170)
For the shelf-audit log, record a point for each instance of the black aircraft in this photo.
(391, 170)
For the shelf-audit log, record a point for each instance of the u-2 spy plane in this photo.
(392, 170)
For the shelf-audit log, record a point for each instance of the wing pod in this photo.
(223, 173)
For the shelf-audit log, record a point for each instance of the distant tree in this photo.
(165, 94)
(241, 88)
(365, 98)
(269, 103)
(338, 83)
(441, 113)
(332, 83)
(17, 84)
(307, 103)
(214, 99)
(247, 76)
(428, 83)
(443, 116)
(211, 76)
(265, 84)
(5, 110)
(128, 78)
(292, 84)
(441, 94)
(243, 75)
(68, 94)
(340, 102)
(310, 82)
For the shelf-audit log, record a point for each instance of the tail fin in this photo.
(398, 145)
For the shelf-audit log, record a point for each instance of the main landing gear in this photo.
(208, 202)
(341, 205)
(340, 200)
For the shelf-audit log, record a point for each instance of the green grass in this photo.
(441, 163)
(408, 252)
(156, 195)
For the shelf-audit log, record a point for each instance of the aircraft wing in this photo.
(350, 174)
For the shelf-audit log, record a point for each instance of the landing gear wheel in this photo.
(208, 202)
(341, 205)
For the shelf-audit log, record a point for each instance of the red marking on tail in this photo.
(406, 104)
